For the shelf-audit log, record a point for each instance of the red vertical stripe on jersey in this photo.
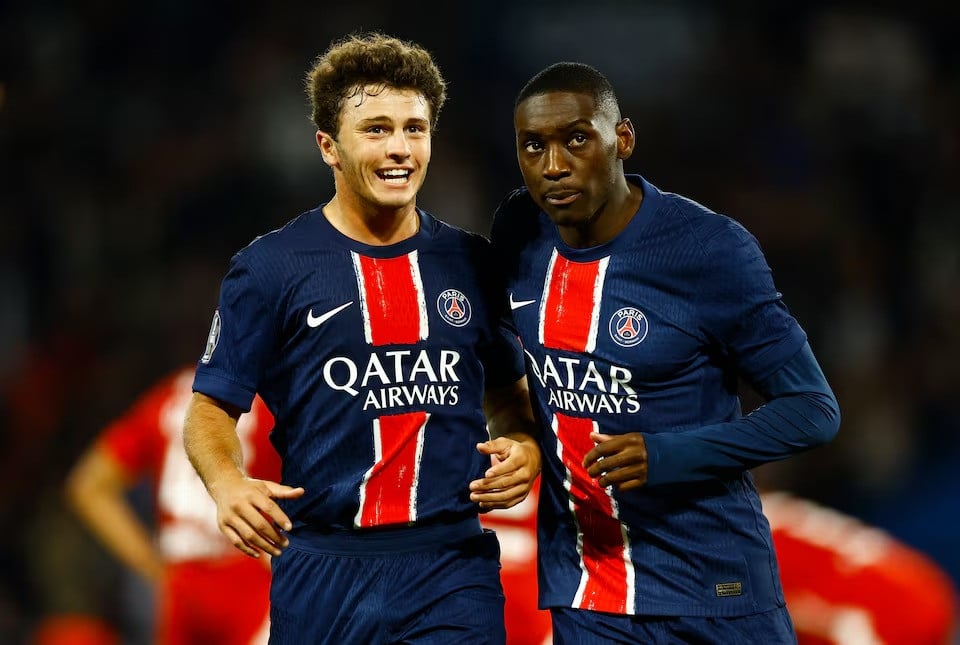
(391, 299)
(605, 584)
(569, 304)
(388, 494)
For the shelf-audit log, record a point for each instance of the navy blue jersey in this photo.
(646, 333)
(373, 361)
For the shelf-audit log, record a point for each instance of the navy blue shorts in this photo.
(584, 627)
(433, 584)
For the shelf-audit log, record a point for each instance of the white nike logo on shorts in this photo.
(316, 321)
(516, 304)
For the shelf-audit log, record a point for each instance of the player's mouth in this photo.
(562, 197)
(395, 176)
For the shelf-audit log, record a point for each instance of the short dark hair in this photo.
(567, 76)
(372, 58)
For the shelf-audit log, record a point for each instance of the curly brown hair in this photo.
(360, 60)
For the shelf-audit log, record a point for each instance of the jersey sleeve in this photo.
(742, 308)
(745, 315)
(802, 413)
(241, 337)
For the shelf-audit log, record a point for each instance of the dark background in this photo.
(143, 143)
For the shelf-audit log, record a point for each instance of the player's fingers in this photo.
(493, 447)
(238, 542)
(259, 531)
(633, 484)
(598, 452)
(483, 486)
(505, 467)
(282, 491)
(608, 463)
(504, 498)
(518, 459)
(274, 514)
(625, 478)
(521, 477)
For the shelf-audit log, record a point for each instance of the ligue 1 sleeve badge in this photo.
(454, 308)
(628, 326)
(212, 338)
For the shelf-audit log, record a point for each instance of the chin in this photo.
(397, 201)
(562, 217)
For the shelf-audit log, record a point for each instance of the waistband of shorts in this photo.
(422, 537)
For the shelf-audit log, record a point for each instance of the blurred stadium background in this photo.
(143, 143)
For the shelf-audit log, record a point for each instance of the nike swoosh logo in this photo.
(316, 321)
(516, 304)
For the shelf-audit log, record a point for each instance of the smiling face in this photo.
(381, 151)
(571, 155)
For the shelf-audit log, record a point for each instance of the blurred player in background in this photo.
(207, 591)
(517, 531)
(847, 583)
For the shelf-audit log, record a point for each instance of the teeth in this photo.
(396, 173)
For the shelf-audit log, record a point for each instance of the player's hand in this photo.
(618, 460)
(248, 516)
(515, 464)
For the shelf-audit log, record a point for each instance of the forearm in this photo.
(801, 413)
(123, 534)
(96, 492)
(211, 442)
(509, 413)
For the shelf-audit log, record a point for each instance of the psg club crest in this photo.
(212, 339)
(628, 326)
(454, 307)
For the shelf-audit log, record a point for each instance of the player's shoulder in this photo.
(455, 238)
(289, 235)
(516, 217)
(517, 206)
(442, 228)
(702, 220)
(708, 233)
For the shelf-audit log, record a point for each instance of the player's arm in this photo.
(246, 512)
(96, 490)
(801, 412)
(513, 447)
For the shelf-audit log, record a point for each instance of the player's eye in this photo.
(533, 146)
(577, 140)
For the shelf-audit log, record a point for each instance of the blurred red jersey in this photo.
(517, 531)
(210, 591)
(848, 583)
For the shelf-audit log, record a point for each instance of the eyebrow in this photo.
(565, 127)
(363, 123)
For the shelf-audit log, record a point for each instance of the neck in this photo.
(373, 226)
(608, 221)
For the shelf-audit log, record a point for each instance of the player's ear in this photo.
(328, 149)
(626, 139)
